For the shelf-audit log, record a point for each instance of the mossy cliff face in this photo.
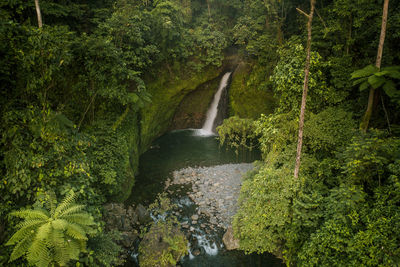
(130, 131)
(192, 111)
(140, 128)
(249, 94)
(167, 90)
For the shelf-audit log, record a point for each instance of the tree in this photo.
(305, 87)
(371, 97)
(55, 236)
(39, 15)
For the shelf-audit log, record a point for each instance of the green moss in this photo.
(130, 130)
(250, 92)
(168, 90)
(192, 110)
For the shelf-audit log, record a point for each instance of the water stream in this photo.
(209, 124)
(187, 148)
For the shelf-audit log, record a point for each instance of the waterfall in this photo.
(212, 112)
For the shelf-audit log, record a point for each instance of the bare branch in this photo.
(302, 12)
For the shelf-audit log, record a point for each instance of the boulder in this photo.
(163, 245)
(143, 214)
(229, 240)
(128, 239)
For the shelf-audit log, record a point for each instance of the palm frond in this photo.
(65, 204)
(57, 238)
(59, 224)
(21, 248)
(27, 230)
(76, 231)
(61, 254)
(39, 254)
(31, 214)
(44, 231)
(74, 248)
(71, 210)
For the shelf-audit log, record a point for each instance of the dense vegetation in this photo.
(343, 210)
(85, 94)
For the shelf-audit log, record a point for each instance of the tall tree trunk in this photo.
(371, 97)
(39, 15)
(305, 88)
(209, 9)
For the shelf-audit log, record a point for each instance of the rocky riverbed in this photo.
(215, 191)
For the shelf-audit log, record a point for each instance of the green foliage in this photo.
(378, 78)
(102, 250)
(342, 209)
(288, 78)
(328, 130)
(367, 158)
(54, 235)
(250, 92)
(356, 231)
(237, 133)
(265, 210)
(164, 244)
(278, 132)
(208, 46)
(258, 29)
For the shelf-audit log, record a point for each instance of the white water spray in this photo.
(212, 112)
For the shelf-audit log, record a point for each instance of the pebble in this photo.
(214, 189)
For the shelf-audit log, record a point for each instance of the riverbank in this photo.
(215, 190)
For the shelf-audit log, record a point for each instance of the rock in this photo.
(157, 243)
(196, 252)
(143, 214)
(128, 239)
(194, 222)
(132, 215)
(195, 217)
(229, 240)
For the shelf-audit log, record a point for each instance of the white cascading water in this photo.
(212, 112)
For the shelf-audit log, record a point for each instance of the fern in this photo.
(31, 214)
(65, 204)
(52, 237)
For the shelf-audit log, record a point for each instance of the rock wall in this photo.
(168, 90)
(191, 112)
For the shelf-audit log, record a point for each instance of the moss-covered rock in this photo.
(192, 111)
(167, 90)
(162, 246)
(127, 125)
(250, 92)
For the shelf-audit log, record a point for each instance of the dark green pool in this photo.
(185, 148)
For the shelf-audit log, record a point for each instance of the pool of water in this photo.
(188, 148)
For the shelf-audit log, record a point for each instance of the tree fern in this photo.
(55, 236)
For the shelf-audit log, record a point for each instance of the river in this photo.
(185, 148)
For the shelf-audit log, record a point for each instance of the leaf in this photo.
(391, 68)
(364, 86)
(31, 214)
(359, 80)
(364, 72)
(394, 74)
(390, 89)
(376, 81)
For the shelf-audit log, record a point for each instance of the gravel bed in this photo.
(214, 189)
